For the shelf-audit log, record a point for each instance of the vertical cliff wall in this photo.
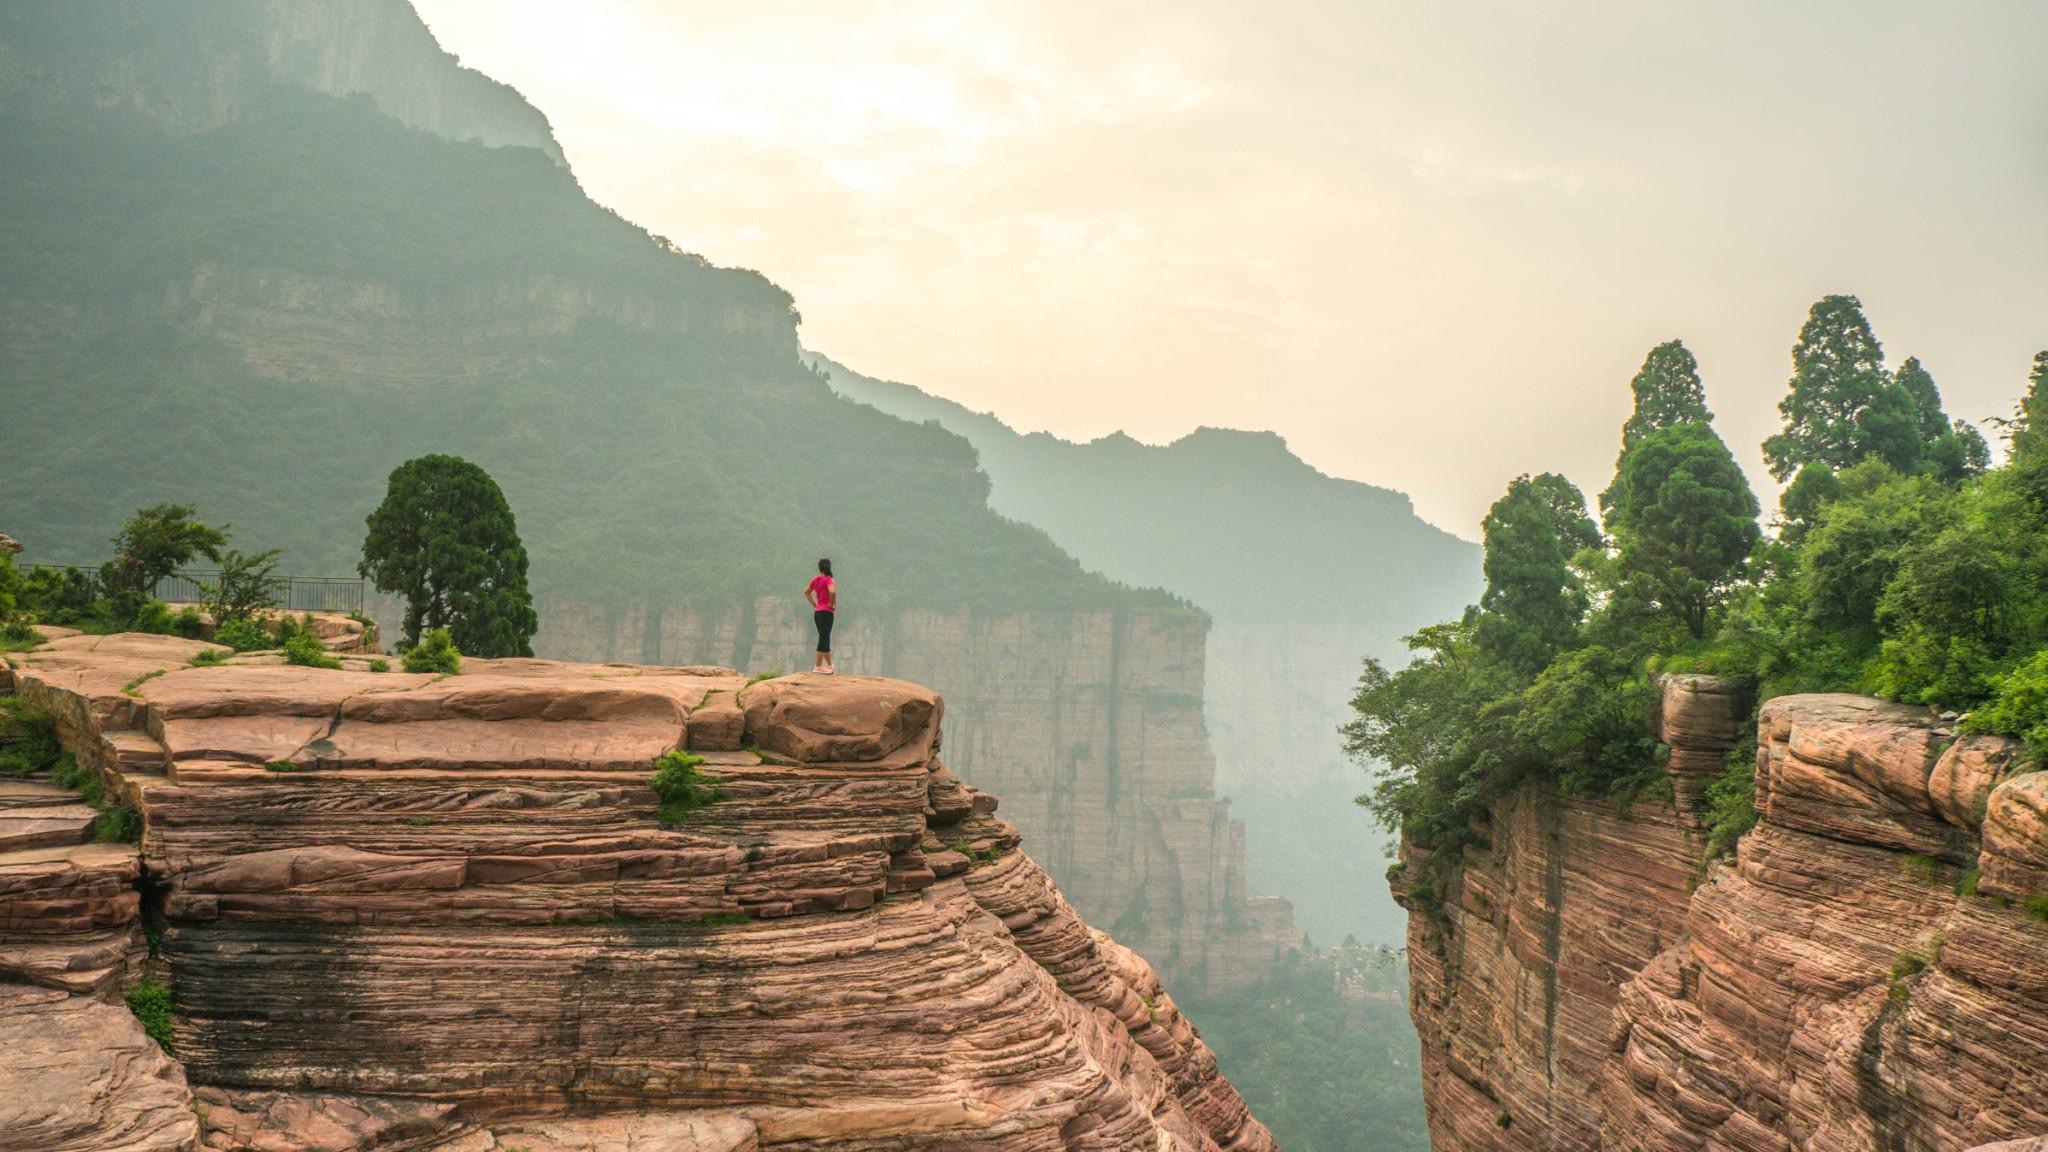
(1865, 974)
(1090, 724)
(464, 913)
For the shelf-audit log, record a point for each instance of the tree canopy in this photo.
(1667, 391)
(152, 544)
(1843, 407)
(1684, 521)
(1534, 598)
(445, 539)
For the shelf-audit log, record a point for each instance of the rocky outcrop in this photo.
(418, 912)
(1088, 724)
(1864, 974)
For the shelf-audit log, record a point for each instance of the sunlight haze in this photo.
(1428, 244)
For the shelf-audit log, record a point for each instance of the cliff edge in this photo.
(398, 911)
(1870, 971)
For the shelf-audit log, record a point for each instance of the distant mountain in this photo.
(1231, 520)
(1304, 575)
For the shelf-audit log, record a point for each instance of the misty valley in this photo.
(475, 677)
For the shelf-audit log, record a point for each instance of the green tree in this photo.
(1667, 391)
(2028, 427)
(1843, 407)
(445, 539)
(154, 543)
(1534, 597)
(1950, 450)
(245, 586)
(1684, 520)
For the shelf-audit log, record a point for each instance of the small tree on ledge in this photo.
(445, 539)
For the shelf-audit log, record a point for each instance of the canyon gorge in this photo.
(640, 406)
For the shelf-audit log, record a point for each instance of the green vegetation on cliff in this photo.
(263, 317)
(1900, 566)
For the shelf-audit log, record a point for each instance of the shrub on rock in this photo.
(434, 653)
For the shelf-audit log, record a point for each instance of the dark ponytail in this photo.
(825, 566)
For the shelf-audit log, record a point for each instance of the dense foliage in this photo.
(152, 544)
(445, 539)
(1324, 1052)
(1900, 566)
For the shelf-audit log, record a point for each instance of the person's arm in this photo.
(832, 582)
(811, 597)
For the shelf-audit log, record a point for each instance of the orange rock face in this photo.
(444, 913)
(1833, 988)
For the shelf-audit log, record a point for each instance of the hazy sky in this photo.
(1426, 242)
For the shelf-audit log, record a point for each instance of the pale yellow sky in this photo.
(1427, 243)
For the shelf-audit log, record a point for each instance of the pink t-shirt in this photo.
(821, 590)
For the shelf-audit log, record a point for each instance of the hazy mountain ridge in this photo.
(1243, 528)
(1236, 522)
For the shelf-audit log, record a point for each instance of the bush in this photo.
(681, 788)
(17, 636)
(380, 665)
(151, 1003)
(189, 623)
(1731, 807)
(153, 616)
(118, 824)
(244, 635)
(28, 739)
(434, 653)
(2019, 708)
(245, 586)
(304, 648)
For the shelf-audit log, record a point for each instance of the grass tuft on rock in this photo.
(151, 1003)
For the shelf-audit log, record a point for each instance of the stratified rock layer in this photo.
(408, 911)
(1864, 974)
(1089, 725)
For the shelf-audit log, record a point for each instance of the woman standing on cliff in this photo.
(823, 596)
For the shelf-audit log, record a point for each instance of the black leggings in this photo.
(824, 618)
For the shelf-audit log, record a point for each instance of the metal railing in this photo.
(293, 593)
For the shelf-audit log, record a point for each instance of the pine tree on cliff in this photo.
(1683, 518)
(1534, 597)
(1950, 449)
(1843, 406)
(2028, 430)
(1667, 391)
(445, 539)
(2029, 424)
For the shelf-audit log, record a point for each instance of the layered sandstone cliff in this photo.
(1865, 974)
(1090, 725)
(415, 912)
